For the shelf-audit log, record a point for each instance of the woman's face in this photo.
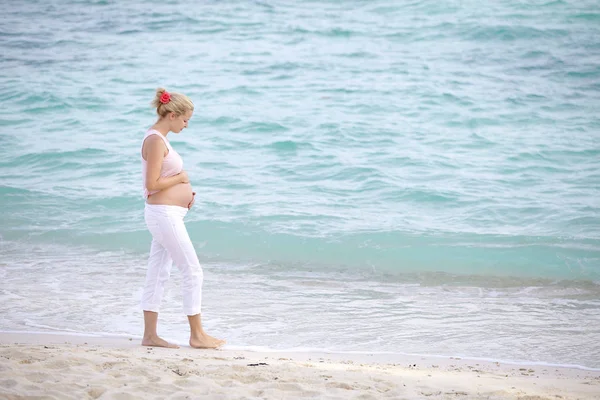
(180, 122)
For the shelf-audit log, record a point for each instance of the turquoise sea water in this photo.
(427, 170)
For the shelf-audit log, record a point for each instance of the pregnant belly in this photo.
(176, 195)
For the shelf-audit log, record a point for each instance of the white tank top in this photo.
(172, 163)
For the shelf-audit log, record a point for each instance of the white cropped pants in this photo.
(171, 244)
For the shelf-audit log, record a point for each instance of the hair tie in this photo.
(165, 97)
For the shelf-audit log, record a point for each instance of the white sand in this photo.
(74, 367)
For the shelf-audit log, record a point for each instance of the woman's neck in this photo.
(161, 127)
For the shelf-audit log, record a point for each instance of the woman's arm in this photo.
(155, 150)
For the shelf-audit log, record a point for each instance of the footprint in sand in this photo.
(94, 393)
(8, 383)
(38, 377)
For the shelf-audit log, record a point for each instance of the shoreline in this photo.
(62, 365)
(32, 337)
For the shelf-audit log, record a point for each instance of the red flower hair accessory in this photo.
(165, 97)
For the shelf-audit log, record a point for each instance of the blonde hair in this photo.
(178, 103)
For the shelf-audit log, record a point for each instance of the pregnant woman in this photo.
(169, 196)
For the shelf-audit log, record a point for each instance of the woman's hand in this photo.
(193, 199)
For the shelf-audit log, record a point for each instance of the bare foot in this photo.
(204, 341)
(158, 342)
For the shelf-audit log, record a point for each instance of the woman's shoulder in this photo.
(155, 139)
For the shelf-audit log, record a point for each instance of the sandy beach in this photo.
(77, 367)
